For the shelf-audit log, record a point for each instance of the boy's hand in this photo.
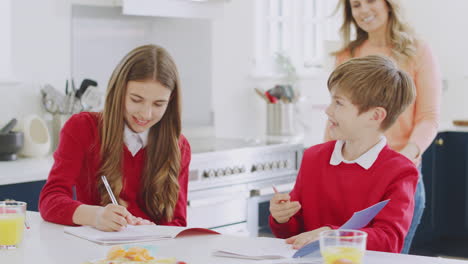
(305, 238)
(282, 209)
(112, 218)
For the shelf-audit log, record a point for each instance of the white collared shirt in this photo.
(135, 141)
(365, 160)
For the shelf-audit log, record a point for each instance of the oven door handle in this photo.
(214, 200)
(287, 187)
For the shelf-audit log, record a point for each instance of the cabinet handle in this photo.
(439, 142)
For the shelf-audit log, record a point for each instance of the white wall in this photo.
(40, 49)
(239, 112)
(443, 25)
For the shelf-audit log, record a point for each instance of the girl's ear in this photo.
(379, 114)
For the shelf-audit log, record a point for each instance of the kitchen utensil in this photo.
(261, 93)
(84, 85)
(9, 126)
(271, 98)
(10, 144)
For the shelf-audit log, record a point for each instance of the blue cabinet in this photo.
(444, 226)
(27, 192)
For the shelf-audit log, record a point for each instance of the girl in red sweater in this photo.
(135, 142)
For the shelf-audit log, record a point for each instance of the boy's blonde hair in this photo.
(374, 81)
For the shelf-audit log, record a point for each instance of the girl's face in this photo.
(145, 104)
(370, 15)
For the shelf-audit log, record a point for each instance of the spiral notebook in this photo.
(134, 234)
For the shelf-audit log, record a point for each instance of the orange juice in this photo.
(11, 229)
(342, 255)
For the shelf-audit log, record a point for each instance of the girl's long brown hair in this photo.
(399, 33)
(159, 181)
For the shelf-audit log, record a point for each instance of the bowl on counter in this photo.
(10, 145)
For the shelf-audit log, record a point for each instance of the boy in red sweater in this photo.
(341, 177)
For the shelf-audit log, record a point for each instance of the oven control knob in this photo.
(267, 166)
(219, 172)
(208, 173)
(236, 170)
(228, 171)
(286, 163)
(257, 167)
(242, 169)
(274, 165)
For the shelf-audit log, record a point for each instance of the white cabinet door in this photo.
(174, 8)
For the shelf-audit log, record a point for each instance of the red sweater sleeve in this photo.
(388, 230)
(294, 226)
(180, 211)
(55, 201)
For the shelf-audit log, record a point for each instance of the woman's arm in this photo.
(427, 105)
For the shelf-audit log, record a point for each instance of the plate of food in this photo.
(133, 255)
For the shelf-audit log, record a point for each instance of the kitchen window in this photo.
(296, 29)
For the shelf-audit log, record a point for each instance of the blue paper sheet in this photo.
(359, 220)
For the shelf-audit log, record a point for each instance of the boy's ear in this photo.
(379, 114)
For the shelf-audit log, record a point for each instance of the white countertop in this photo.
(46, 243)
(25, 170)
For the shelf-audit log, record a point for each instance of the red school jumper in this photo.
(77, 164)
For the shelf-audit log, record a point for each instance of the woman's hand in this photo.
(305, 238)
(282, 209)
(112, 218)
(412, 152)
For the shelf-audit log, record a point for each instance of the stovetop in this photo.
(210, 144)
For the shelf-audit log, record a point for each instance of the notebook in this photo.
(265, 248)
(133, 234)
(278, 249)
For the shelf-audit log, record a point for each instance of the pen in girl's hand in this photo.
(109, 190)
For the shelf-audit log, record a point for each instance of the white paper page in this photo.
(130, 233)
(265, 248)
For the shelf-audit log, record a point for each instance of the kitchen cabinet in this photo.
(444, 226)
(27, 192)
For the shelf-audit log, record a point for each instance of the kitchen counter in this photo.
(25, 170)
(46, 243)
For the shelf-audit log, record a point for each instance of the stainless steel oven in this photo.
(230, 182)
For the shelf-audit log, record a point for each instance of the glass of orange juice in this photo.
(12, 214)
(343, 246)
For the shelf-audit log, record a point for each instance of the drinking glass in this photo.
(12, 214)
(343, 246)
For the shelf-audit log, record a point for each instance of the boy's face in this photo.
(344, 120)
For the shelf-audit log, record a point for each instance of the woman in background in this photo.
(381, 29)
(135, 142)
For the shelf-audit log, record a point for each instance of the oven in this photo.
(230, 183)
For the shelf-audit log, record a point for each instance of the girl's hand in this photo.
(133, 220)
(112, 218)
(305, 238)
(282, 209)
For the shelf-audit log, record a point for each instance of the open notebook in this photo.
(269, 249)
(133, 234)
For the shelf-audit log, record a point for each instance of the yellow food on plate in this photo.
(134, 255)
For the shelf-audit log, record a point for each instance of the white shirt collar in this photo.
(365, 160)
(135, 141)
